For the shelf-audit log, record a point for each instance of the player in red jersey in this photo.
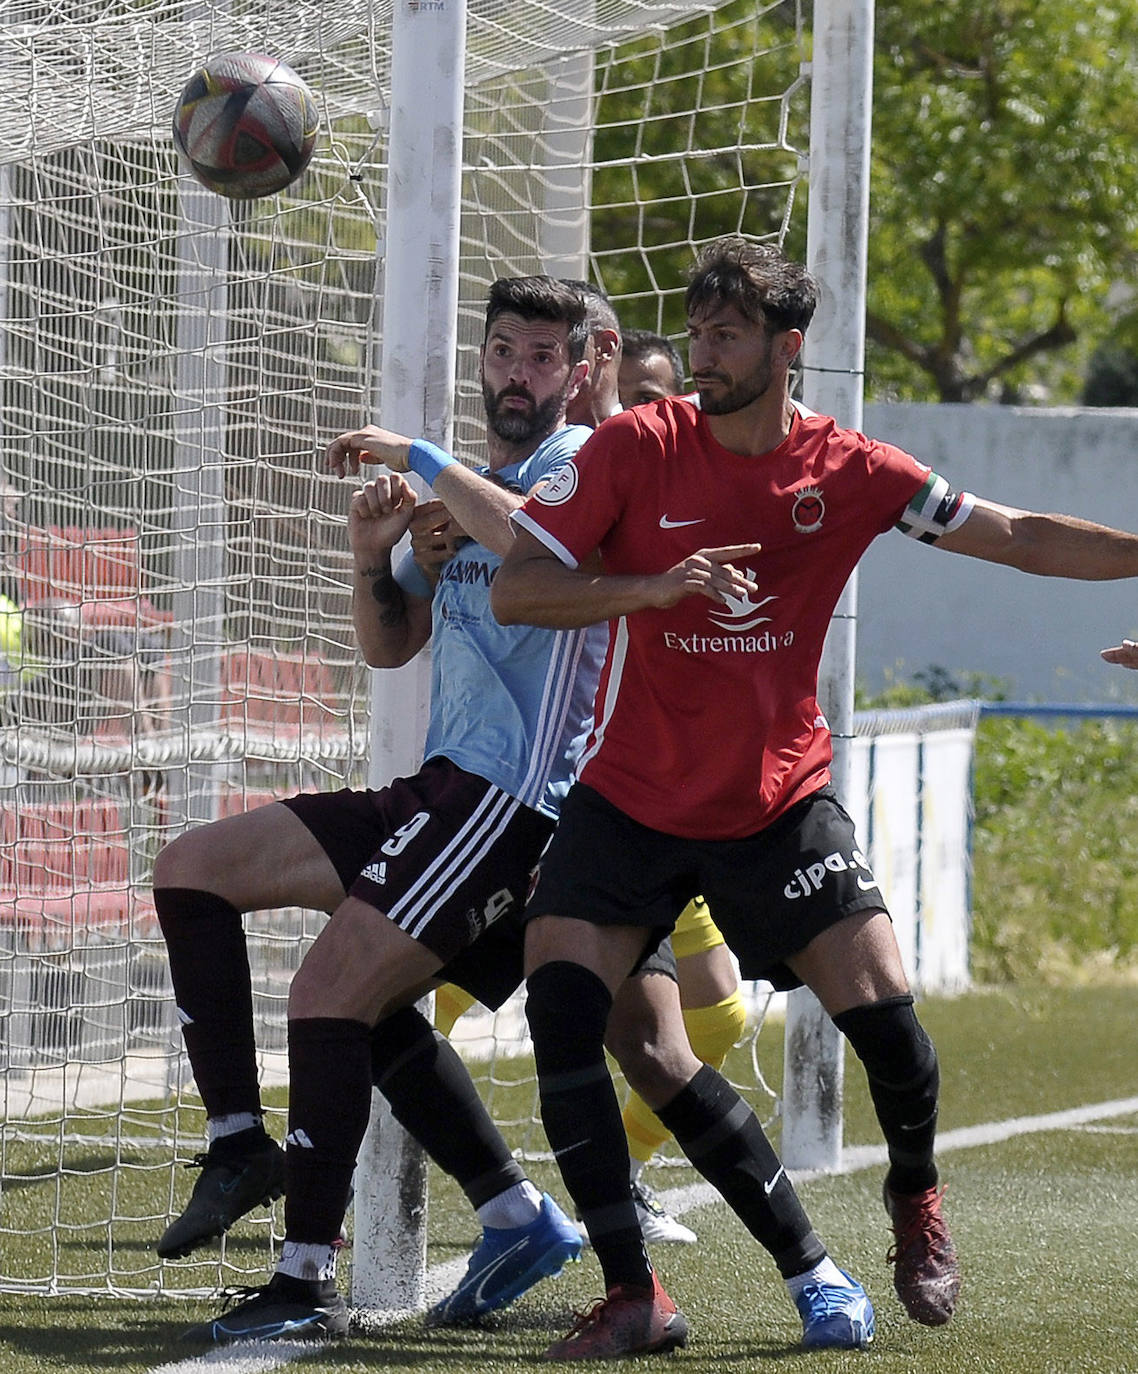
(716, 541)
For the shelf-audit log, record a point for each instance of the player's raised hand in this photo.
(379, 516)
(1124, 654)
(371, 444)
(709, 572)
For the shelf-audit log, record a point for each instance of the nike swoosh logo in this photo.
(666, 524)
(506, 1257)
(870, 886)
(920, 1126)
(768, 1188)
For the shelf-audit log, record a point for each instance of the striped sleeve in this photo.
(935, 510)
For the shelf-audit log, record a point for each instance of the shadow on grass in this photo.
(95, 1339)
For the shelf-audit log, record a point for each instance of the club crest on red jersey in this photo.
(808, 510)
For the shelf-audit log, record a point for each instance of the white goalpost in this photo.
(171, 367)
(837, 229)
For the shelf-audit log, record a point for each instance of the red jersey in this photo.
(706, 720)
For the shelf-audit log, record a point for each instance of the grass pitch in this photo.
(1045, 1223)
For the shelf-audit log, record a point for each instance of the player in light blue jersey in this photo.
(424, 878)
(507, 708)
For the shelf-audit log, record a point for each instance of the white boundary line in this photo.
(252, 1357)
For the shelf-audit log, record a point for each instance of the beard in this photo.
(745, 391)
(520, 426)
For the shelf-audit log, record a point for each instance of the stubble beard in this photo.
(743, 393)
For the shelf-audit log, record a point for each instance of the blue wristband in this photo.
(426, 460)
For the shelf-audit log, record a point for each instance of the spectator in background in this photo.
(10, 629)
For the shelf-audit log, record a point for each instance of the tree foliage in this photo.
(1004, 197)
(691, 143)
(1004, 200)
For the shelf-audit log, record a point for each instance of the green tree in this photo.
(1004, 198)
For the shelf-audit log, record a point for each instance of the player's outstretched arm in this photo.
(534, 587)
(1124, 654)
(1045, 544)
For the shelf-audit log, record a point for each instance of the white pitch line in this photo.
(253, 1357)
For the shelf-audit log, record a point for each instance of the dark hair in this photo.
(642, 343)
(762, 284)
(599, 312)
(541, 298)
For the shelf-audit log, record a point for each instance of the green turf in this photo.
(1045, 1224)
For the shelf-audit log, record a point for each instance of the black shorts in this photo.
(770, 893)
(445, 855)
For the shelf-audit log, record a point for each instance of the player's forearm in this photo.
(1062, 546)
(543, 591)
(480, 506)
(391, 627)
(1047, 545)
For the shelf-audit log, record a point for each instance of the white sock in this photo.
(517, 1206)
(634, 1168)
(311, 1262)
(825, 1271)
(219, 1126)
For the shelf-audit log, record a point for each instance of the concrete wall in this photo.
(920, 606)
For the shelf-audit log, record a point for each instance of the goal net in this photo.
(177, 640)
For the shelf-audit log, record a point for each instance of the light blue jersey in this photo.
(509, 703)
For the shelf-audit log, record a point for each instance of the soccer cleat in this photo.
(627, 1321)
(926, 1274)
(657, 1224)
(284, 1309)
(506, 1263)
(835, 1317)
(238, 1172)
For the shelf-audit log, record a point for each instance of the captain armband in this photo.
(935, 510)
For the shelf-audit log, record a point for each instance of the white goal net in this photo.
(176, 636)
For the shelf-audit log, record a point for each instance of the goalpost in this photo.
(172, 366)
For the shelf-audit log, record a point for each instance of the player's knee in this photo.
(179, 863)
(891, 1043)
(714, 1030)
(567, 1006)
(648, 1040)
(404, 1038)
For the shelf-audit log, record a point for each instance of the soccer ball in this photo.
(246, 125)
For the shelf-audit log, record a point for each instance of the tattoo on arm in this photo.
(387, 594)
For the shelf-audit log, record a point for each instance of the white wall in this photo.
(910, 798)
(919, 606)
